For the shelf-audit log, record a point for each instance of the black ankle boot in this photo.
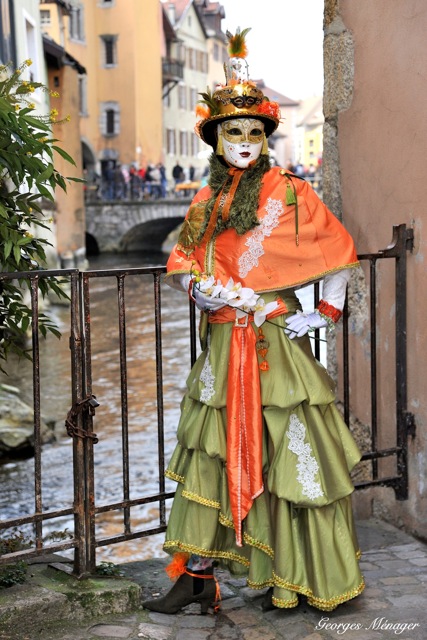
(191, 586)
(267, 601)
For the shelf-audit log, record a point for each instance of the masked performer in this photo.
(263, 456)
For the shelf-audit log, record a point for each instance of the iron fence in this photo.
(80, 426)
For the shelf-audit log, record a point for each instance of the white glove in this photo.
(334, 289)
(181, 281)
(300, 323)
(207, 303)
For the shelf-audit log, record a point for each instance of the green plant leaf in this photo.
(17, 253)
(64, 154)
(7, 249)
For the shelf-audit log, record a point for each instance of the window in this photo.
(194, 96)
(7, 48)
(77, 23)
(181, 52)
(32, 73)
(194, 145)
(201, 61)
(167, 100)
(191, 55)
(216, 51)
(183, 143)
(182, 96)
(109, 53)
(170, 142)
(83, 95)
(45, 17)
(110, 119)
(311, 143)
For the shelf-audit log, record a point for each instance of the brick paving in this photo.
(393, 605)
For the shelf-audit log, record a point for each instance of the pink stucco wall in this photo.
(382, 140)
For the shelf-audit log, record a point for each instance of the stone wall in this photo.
(375, 120)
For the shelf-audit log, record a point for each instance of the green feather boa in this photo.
(243, 210)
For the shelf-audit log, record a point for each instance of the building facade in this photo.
(63, 79)
(309, 149)
(119, 43)
(181, 145)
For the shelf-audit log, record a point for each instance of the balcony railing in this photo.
(172, 70)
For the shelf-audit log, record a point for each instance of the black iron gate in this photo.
(80, 425)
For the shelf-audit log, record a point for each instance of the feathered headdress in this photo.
(238, 98)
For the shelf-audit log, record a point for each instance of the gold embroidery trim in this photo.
(190, 228)
(329, 605)
(258, 545)
(226, 522)
(209, 261)
(174, 476)
(207, 553)
(260, 585)
(319, 603)
(204, 501)
(280, 603)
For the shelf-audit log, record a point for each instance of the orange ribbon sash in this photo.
(244, 416)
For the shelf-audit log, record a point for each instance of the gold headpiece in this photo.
(238, 98)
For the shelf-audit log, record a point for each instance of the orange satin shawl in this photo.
(270, 251)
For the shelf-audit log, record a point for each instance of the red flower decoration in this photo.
(269, 109)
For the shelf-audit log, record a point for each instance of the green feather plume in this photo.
(236, 43)
(208, 100)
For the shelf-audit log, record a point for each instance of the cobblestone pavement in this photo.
(393, 605)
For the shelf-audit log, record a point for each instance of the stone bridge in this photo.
(132, 226)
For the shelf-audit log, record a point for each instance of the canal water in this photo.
(17, 477)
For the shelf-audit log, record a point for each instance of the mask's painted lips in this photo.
(245, 154)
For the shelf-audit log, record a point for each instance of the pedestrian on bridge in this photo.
(263, 456)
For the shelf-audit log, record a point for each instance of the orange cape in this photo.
(268, 258)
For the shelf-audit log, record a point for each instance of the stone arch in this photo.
(149, 235)
(92, 247)
(88, 157)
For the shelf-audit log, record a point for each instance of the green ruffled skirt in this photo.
(299, 536)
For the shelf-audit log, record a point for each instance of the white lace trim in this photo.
(249, 259)
(208, 379)
(307, 465)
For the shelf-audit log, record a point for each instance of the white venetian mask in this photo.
(242, 140)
